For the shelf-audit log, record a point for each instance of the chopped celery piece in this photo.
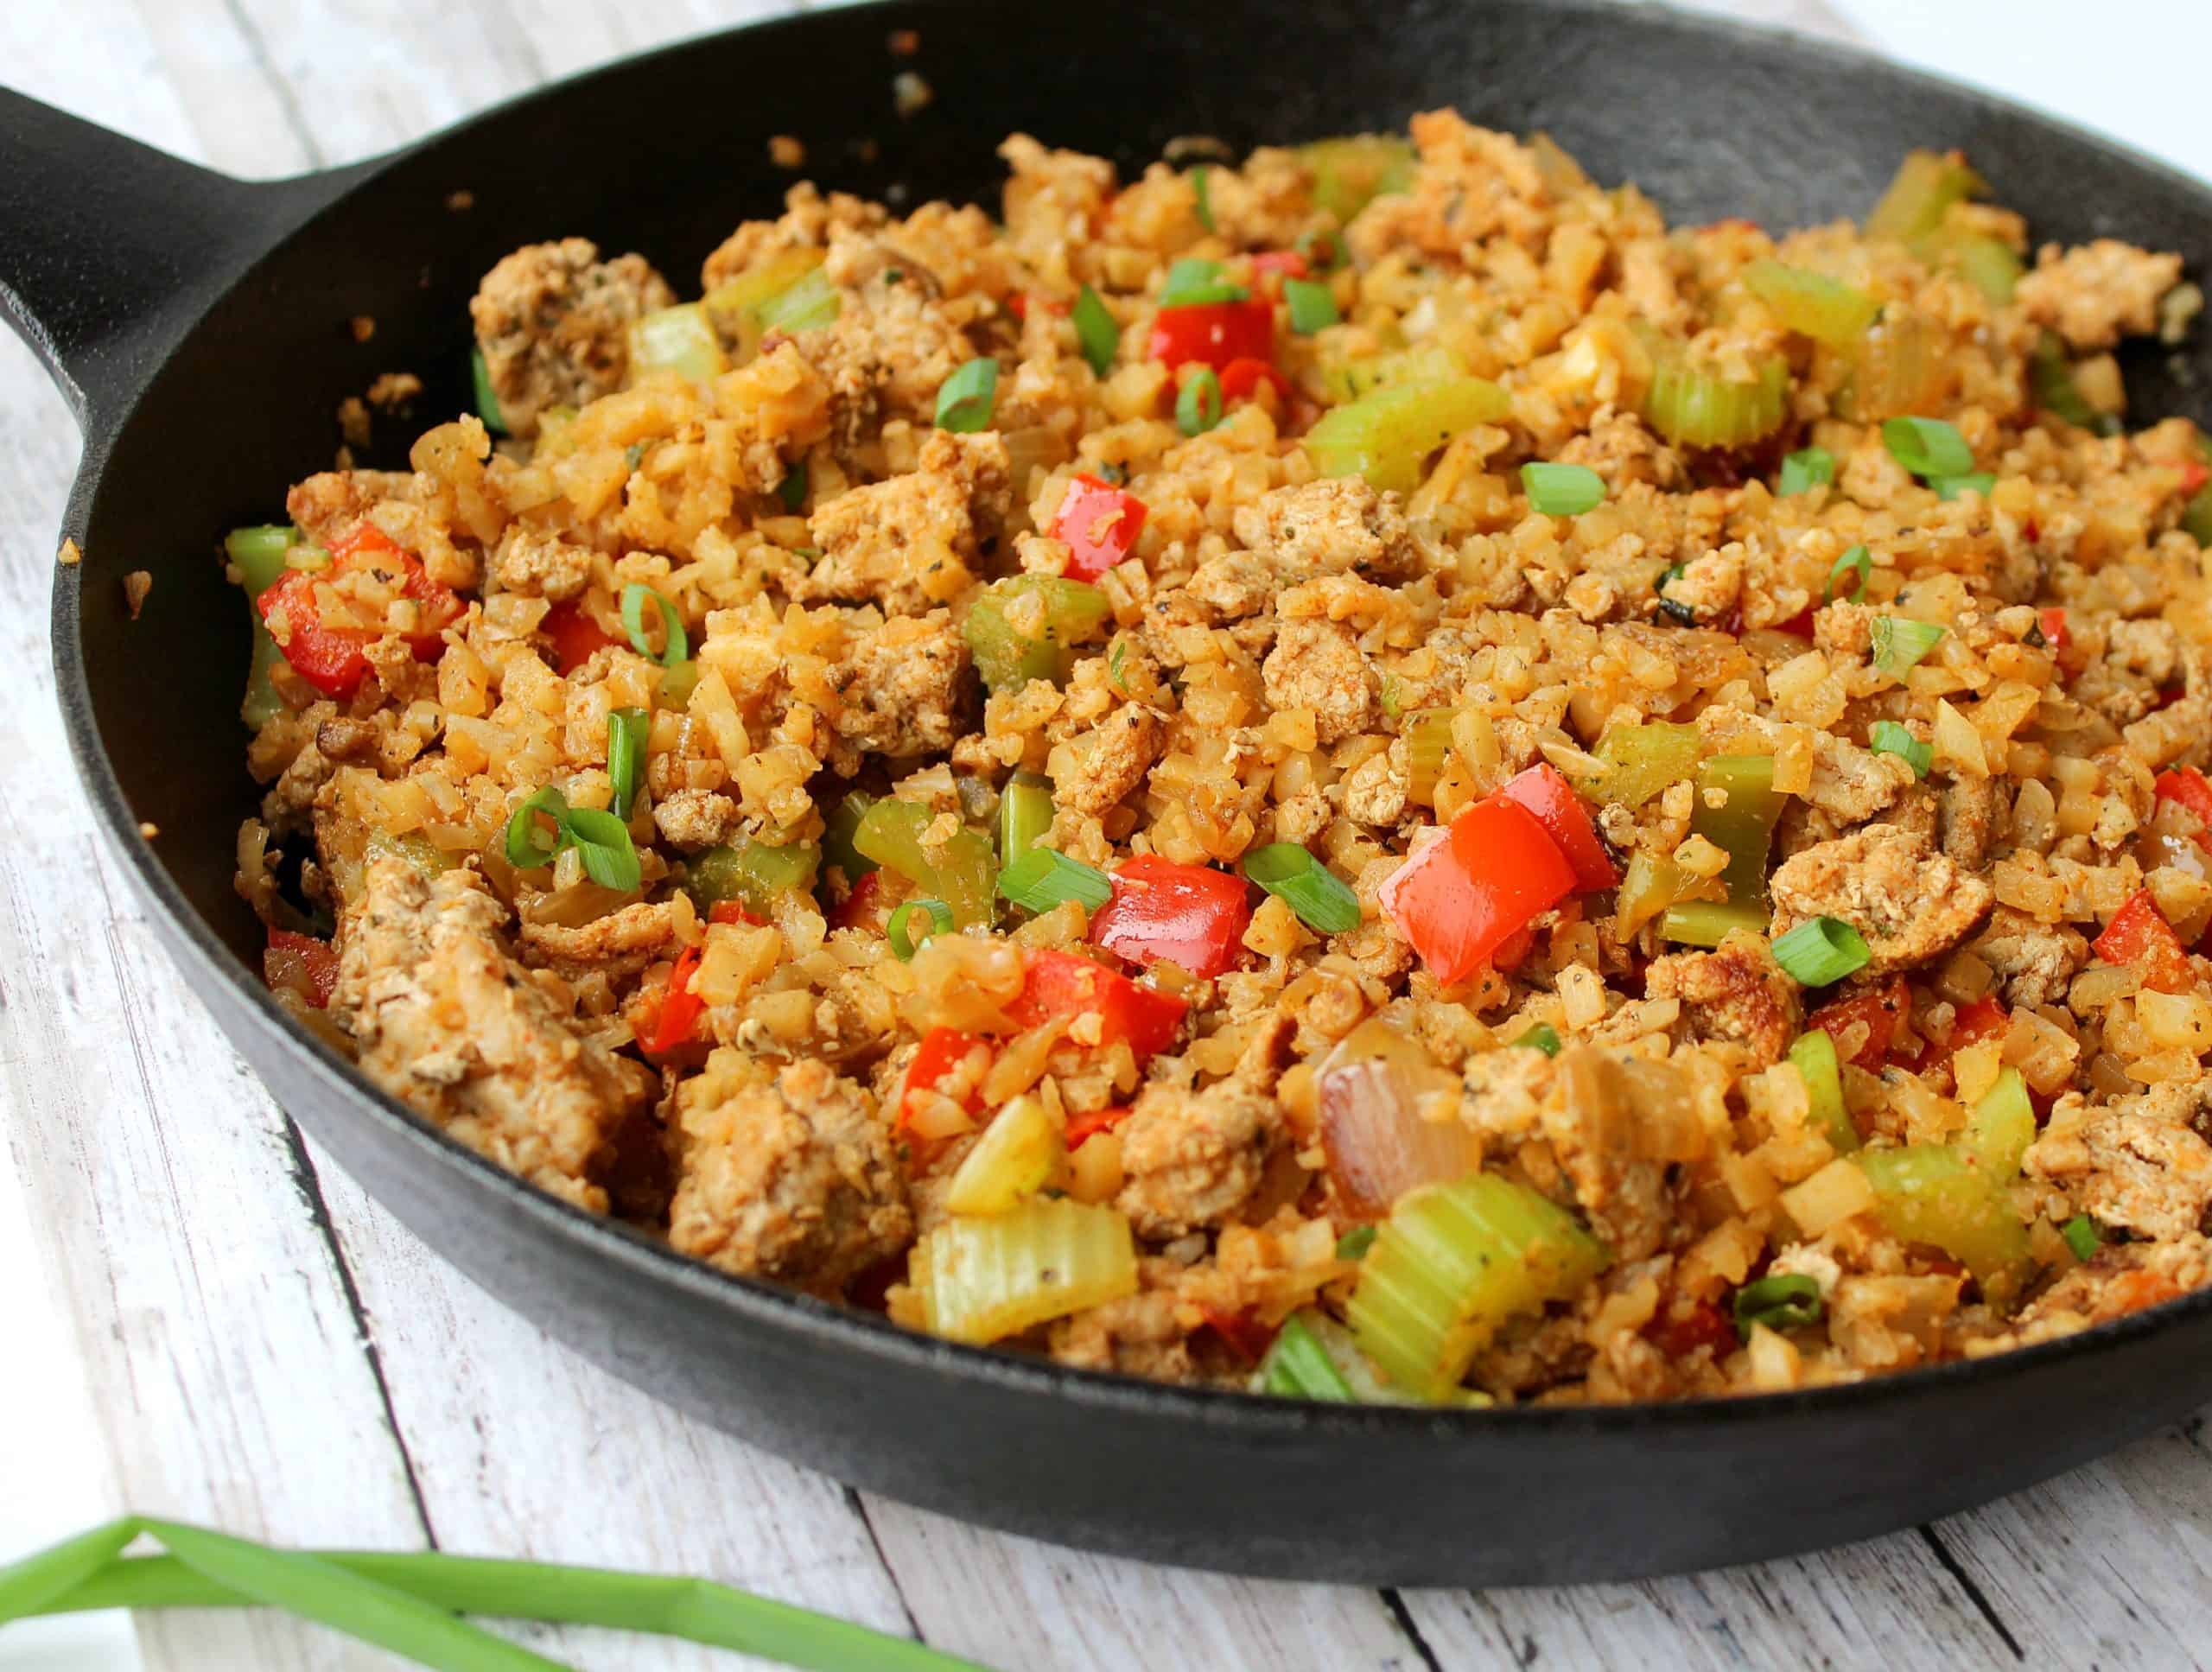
(1429, 746)
(1920, 195)
(678, 340)
(837, 847)
(2050, 375)
(755, 874)
(1709, 922)
(1652, 886)
(1814, 1057)
(1025, 815)
(1827, 310)
(1928, 1193)
(1694, 405)
(1743, 825)
(1452, 1263)
(259, 554)
(960, 872)
(2001, 1127)
(1388, 435)
(740, 308)
(1020, 1152)
(981, 1279)
(261, 704)
(2196, 517)
(811, 302)
(2082, 1236)
(1021, 628)
(1988, 263)
(1641, 760)
(1349, 379)
(1903, 365)
(419, 851)
(1298, 1367)
(678, 680)
(1350, 172)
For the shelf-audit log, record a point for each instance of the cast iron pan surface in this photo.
(198, 325)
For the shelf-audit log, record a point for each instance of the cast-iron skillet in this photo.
(199, 325)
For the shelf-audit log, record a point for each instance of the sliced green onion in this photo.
(1199, 188)
(527, 846)
(1041, 879)
(1858, 558)
(1814, 1057)
(1785, 1302)
(676, 646)
(1193, 281)
(1355, 1242)
(1807, 468)
(792, 489)
(1298, 1367)
(1542, 1037)
(965, 399)
(1900, 642)
(1888, 737)
(1312, 305)
(1561, 490)
(407, 1600)
(1025, 815)
(1822, 951)
(1095, 331)
(625, 754)
(1928, 447)
(1323, 900)
(2082, 1236)
(902, 941)
(487, 402)
(1198, 409)
(1949, 487)
(603, 841)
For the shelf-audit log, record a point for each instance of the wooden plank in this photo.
(1019, 1603)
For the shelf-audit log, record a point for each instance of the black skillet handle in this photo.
(111, 250)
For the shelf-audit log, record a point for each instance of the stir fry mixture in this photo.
(1365, 774)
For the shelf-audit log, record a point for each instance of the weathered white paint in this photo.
(317, 1377)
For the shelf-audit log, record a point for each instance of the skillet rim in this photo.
(823, 1325)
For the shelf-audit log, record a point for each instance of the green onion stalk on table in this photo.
(412, 1603)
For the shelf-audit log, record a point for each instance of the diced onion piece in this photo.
(1378, 1144)
(679, 339)
(981, 1279)
(1019, 1152)
(1829, 1196)
(1814, 305)
(1454, 1264)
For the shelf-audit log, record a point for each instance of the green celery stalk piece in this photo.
(2001, 1127)
(1930, 1193)
(1742, 826)
(962, 875)
(754, 873)
(1814, 1057)
(1641, 760)
(1388, 434)
(1709, 922)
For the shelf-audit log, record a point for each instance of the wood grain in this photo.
(266, 1348)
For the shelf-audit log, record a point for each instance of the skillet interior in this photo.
(664, 154)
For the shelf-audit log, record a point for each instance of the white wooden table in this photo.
(208, 1320)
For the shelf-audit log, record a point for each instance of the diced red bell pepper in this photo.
(2140, 935)
(1022, 302)
(2194, 475)
(1191, 915)
(942, 1050)
(1247, 1338)
(1459, 899)
(680, 1008)
(2190, 788)
(1985, 1019)
(732, 911)
(1513, 951)
(1679, 1335)
(858, 909)
(1100, 524)
(1215, 333)
(1092, 1122)
(1880, 1007)
(1067, 984)
(1280, 264)
(1799, 625)
(301, 961)
(1241, 379)
(334, 660)
(575, 637)
(1544, 791)
(2055, 635)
